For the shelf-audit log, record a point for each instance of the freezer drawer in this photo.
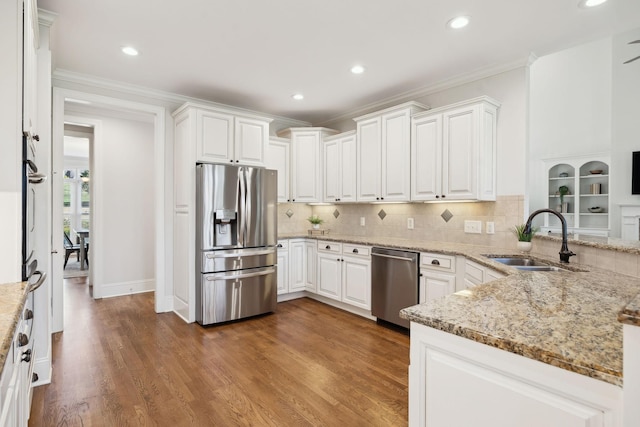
(236, 294)
(237, 259)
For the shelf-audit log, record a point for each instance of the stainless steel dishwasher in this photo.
(394, 283)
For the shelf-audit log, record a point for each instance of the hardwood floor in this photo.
(120, 364)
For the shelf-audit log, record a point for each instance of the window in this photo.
(76, 200)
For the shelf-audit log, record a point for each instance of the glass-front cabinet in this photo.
(579, 190)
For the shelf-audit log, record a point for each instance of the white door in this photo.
(296, 265)
(251, 137)
(369, 163)
(306, 167)
(356, 282)
(459, 153)
(348, 169)
(396, 153)
(329, 275)
(426, 158)
(332, 161)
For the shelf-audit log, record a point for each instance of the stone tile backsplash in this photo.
(506, 212)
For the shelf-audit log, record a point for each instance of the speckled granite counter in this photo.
(565, 319)
(12, 299)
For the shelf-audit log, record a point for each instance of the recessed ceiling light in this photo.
(131, 51)
(298, 96)
(357, 69)
(458, 22)
(591, 3)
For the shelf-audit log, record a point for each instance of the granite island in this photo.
(531, 349)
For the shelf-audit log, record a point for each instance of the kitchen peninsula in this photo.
(552, 353)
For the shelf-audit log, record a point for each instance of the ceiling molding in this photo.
(67, 76)
(435, 88)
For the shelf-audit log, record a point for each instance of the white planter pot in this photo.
(524, 246)
(316, 226)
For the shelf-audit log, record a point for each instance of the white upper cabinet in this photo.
(225, 137)
(279, 158)
(383, 153)
(306, 162)
(339, 158)
(453, 152)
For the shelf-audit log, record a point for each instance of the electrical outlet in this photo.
(361, 221)
(473, 226)
(490, 227)
(410, 223)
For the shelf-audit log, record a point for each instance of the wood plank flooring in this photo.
(120, 364)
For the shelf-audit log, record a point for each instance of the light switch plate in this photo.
(410, 223)
(361, 221)
(473, 226)
(490, 227)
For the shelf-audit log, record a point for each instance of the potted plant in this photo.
(563, 190)
(524, 239)
(315, 220)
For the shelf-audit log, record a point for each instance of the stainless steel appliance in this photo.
(236, 237)
(394, 283)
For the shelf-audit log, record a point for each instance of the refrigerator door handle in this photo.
(239, 275)
(242, 207)
(239, 253)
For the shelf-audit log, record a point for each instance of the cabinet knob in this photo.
(337, 259)
(327, 247)
(381, 198)
(341, 260)
(377, 198)
(28, 314)
(237, 161)
(443, 196)
(435, 262)
(26, 356)
(437, 196)
(355, 250)
(293, 200)
(34, 377)
(231, 161)
(36, 137)
(279, 245)
(23, 339)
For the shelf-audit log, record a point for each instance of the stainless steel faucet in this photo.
(565, 253)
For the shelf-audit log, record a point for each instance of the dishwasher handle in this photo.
(401, 258)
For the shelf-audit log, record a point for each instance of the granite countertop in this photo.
(566, 319)
(12, 299)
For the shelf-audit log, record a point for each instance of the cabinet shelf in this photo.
(581, 183)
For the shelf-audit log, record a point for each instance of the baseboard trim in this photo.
(128, 288)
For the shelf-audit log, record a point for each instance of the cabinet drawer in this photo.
(438, 262)
(474, 272)
(283, 245)
(356, 250)
(332, 247)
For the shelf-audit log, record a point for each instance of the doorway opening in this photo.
(76, 186)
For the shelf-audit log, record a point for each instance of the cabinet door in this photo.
(460, 153)
(214, 136)
(330, 275)
(436, 285)
(356, 282)
(297, 266)
(396, 156)
(306, 167)
(310, 265)
(369, 151)
(348, 169)
(251, 138)
(283, 271)
(426, 158)
(332, 169)
(278, 158)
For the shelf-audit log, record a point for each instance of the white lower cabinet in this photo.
(454, 381)
(310, 265)
(297, 265)
(437, 276)
(283, 267)
(344, 273)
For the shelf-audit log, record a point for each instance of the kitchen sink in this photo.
(526, 264)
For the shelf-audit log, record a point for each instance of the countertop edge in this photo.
(12, 299)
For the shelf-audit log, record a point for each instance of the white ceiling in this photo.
(255, 53)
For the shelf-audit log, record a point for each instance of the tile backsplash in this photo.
(428, 220)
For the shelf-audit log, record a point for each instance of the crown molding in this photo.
(434, 88)
(61, 75)
(46, 17)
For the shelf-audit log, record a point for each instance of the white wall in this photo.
(125, 205)
(625, 121)
(10, 140)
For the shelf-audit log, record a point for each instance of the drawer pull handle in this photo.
(279, 245)
(435, 262)
(355, 250)
(327, 247)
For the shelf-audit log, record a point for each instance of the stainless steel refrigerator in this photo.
(236, 237)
